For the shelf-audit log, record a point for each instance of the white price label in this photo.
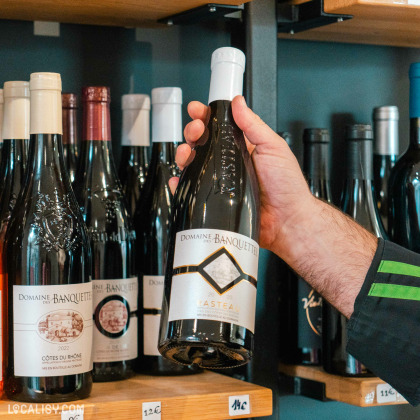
(385, 394)
(77, 414)
(151, 411)
(238, 405)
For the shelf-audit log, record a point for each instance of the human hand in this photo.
(284, 193)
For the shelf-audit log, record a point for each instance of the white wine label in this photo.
(55, 324)
(214, 277)
(153, 292)
(115, 317)
(151, 335)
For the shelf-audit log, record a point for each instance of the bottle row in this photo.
(100, 280)
(381, 192)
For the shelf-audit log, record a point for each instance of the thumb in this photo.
(254, 128)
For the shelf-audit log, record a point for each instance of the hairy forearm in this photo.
(330, 251)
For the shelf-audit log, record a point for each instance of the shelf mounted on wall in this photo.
(294, 18)
(203, 13)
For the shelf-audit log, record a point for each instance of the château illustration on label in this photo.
(112, 238)
(208, 310)
(135, 141)
(47, 256)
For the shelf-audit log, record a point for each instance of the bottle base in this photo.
(23, 389)
(206, 355)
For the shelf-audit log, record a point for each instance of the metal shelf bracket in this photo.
(202, 13)
(293, 18)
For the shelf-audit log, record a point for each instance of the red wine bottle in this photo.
(70, 133)
(112, 238)
(302, 305)
(47, 255)
(12, 168)
(135, 141)
(358, 202)
(404, 196)
(152, 228)
(208, 310)
(385, 154)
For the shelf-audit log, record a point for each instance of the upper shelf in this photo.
(132, 13)
(382, 22)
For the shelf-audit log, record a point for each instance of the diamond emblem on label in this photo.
(222, 271)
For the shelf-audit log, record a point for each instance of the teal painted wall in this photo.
(329, 85)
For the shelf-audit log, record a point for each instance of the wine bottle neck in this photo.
(415, 132)
(70, 131)
(16, 118)
(136, 127)
(136, 155)
(164, 153)
(315, 161)
(359, 159)
(385, 129)
(96, 121)
(226, 81)
(45, 150)
(166, 123)
(46, 112)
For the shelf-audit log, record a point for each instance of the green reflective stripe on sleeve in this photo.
(395, 291)
(394, 267)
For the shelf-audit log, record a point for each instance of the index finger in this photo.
(197, 110)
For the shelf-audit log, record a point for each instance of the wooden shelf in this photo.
(204, 396)
(362, 392)
(132, 13)
(375, 22)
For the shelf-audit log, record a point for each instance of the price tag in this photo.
(385, 394)
(238, 405)
(151, 411)
(76, 414)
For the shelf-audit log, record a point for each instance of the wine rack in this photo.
(314, 382)
(204, 396)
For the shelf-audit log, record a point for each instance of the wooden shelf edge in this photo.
(126, 13)
(361, 392)
(204, 396)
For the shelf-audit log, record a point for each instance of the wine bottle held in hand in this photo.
(135, 141)
(112, 238)
(208, 311)
(70, 133)
(49, 292)
(153, 214)
(359, 203)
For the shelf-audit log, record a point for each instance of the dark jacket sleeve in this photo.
(384, 330)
